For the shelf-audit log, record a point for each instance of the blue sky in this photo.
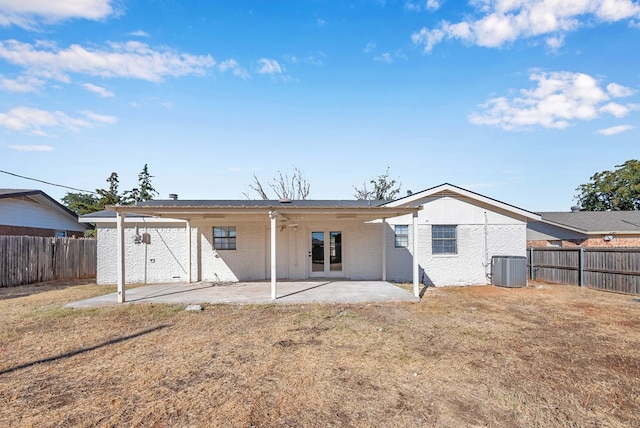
(521, 101)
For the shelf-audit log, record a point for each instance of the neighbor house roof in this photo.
(595, 222)
(36, 195)
(39, 197)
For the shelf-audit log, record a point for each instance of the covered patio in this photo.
(276, 216)
(290, 292)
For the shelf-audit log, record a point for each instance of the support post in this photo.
(384, 249)
(581, 267)
(416, 270)
(121, 273)
(272, 217)
(531, 267)
(189, 279)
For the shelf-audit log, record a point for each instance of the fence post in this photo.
(531, 270)
(581, 267)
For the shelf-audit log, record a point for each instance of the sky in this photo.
(521, 101)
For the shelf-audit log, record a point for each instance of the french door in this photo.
(326, 253)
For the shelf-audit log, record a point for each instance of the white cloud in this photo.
(233, 66)
(418, 6)
(21, 84)
(28, 13)
(384, 57)
(103, 92)
(559, 99)
(34, 121)
(498, 22)
(615, 130)
(321, 22)
(618, 110)
(433, 4)
(31, 148)
(139, 33)
(616, 90)
(99, 118)
(370, 47)
(269, 66)
(125, 60)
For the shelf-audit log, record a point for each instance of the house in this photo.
(585, 229)
(453, 232)
(34, 213)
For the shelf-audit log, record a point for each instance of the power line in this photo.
(47, 182)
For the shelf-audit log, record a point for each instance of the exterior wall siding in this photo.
(27, 213)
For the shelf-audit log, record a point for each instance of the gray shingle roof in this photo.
(596, 221)
(247, 203)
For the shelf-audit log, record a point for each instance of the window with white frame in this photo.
(444, 239)
(401, 232)
(224, 237)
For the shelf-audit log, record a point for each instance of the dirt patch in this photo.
(476, 356)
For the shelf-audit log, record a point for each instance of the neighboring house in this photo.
(585, 229)
(34, 213)
(453, 231)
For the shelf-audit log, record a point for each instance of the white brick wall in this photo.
(165, 259)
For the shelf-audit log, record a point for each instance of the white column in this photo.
(272, 216)
(121, 274)
(384, 249)
(416, 270)
(188, 252)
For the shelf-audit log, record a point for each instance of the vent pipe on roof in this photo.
(576, 209)
(173, 196)
(284, 200)
(409, 193)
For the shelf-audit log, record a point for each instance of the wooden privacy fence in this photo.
(612, 269)
(33, 259)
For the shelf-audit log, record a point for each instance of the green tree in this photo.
(110, 196)
(144, 191)
(617, 190)
(383, 188)
(80, 203)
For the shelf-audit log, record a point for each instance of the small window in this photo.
(443, 240)
(224, 237)
(61, 233)
(402, 235)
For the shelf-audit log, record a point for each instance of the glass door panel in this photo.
(335, 251)
(317, 251)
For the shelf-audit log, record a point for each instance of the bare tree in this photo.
(285, 186)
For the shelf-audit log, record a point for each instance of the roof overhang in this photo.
(195, 213)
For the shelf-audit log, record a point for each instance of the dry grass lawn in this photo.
(477, 356)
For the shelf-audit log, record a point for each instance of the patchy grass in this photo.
(475, 356)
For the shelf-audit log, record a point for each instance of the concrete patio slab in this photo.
(322, 291)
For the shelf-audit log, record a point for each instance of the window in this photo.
(443, 240)
(402, 235)
(61, 233)
(224, 237)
